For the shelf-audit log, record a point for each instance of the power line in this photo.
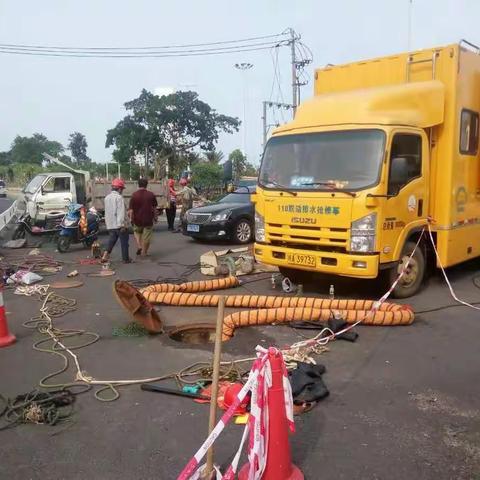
(188, 45)
(143, 55)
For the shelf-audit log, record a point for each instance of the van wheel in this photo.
(412, 280)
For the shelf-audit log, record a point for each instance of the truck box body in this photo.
(433, 94)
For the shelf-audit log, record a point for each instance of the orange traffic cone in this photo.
(279, 461)
(6, 338)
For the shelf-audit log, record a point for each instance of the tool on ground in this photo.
(67, 284)
(229, 397)
(152, 387)
(6, 338)
(217, 353)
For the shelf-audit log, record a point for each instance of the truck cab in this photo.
(49, 194)
(350, 186)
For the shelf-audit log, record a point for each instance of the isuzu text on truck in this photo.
(384, 146)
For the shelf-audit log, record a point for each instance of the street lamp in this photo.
(243, 67)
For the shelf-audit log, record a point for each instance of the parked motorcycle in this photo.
(25, 224)
(78, 226)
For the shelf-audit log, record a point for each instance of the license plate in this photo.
(193, 228)
(301, 259)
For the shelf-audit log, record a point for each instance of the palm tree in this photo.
(214, 156)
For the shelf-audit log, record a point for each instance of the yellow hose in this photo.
(274, 309)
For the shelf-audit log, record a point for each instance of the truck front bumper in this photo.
(344, 264)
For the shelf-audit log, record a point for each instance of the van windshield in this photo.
(35, 183)
(343, 160)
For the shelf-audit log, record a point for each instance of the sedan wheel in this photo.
(243, 231)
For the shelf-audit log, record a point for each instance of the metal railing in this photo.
(7, 215)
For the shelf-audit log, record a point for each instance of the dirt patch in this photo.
(436, 402)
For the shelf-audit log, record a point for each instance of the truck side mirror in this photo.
(398, 174)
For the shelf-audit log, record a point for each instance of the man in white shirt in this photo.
(116, 220)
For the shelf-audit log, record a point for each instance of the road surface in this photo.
(404, 401)
(4, 204)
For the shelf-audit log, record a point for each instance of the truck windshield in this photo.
(35, 183)
(341, 160)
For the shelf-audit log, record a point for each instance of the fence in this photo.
(7, 215)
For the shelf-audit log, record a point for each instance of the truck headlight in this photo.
(363, 235)
(221, 217)
(259, 228)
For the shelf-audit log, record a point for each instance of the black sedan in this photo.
(230, 218)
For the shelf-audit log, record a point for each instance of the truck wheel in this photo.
(411, 281)
(63, 244)
(242, 232)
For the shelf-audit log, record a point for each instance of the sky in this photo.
(57, 96)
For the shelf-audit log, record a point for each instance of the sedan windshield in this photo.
(343, 160)
(35, 183)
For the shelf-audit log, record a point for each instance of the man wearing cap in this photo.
(187, 195)
(116, 220)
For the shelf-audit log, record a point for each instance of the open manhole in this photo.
(197, 334)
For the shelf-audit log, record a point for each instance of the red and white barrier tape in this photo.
(259, 381)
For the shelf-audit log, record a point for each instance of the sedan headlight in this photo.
(221, 217)
(69, 223)
(259, 228)
(363, 234)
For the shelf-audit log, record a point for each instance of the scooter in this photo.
(50, 227)
(78, 226)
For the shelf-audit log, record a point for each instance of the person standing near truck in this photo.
(187, 194)
(142, 212)
(116, 220)
(171, 211)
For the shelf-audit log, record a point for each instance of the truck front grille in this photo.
(321, 239)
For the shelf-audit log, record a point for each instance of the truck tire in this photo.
(63, 243)
(412, 280)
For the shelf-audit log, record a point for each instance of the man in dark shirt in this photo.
(142, 211)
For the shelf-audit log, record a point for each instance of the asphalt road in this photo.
(4, 204)
(404, 401)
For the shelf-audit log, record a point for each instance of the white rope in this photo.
(452, 292)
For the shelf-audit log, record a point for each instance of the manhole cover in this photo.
(194, 334)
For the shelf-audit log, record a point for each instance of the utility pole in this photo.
(266, 125)
(243, 67)
(106, 169)
(264, 120)
(410, 8)
(293, 38)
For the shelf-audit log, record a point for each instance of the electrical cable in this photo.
(248, 39)
(143, 54)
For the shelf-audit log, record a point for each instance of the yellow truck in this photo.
(383, 148)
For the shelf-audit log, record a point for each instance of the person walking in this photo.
(142, 211)
(171, 211)
(187, 194)
(116, 220)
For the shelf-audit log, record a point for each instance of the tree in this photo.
(170, 127)
(214, 156)
(5, 158)
(207, 175)
(78, 147)
(30, 149)
(239, 162)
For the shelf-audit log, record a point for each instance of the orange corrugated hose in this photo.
(273, 309)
